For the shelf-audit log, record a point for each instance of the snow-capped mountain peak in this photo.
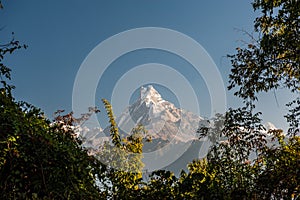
(161, 118)
(150, 96)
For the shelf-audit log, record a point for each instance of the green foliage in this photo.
(163, 185)
(212, 129)
(228, 172)
(39, 159)
(42, 159)
(244, 165)
(5, 75)
(200, 182)
(279, 174)
(114, 132)
(123, 159)
(272, 60)
(293, 117)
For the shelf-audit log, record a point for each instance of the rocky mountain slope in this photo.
(160, 117)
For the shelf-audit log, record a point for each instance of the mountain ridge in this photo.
(173, 130)
(161, 118)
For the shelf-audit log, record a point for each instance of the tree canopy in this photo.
(40, 159)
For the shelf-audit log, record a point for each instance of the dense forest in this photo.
(44, 159)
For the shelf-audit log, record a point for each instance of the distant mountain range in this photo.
(173, 131)
(161, 119)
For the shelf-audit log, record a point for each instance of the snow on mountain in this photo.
(173, 131)
(161, 118)
(150, 95)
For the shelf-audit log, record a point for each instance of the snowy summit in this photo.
(161, 118)
(150, 96)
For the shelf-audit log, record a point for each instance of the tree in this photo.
(279, 169)
(273, 59)
(162, 185)
(123, 160)
(40, 159)
(245, 165)
(270, 62)
(44, 160)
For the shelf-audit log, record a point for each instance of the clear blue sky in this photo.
(60, 34)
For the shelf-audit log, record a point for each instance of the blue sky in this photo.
(60, 35)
